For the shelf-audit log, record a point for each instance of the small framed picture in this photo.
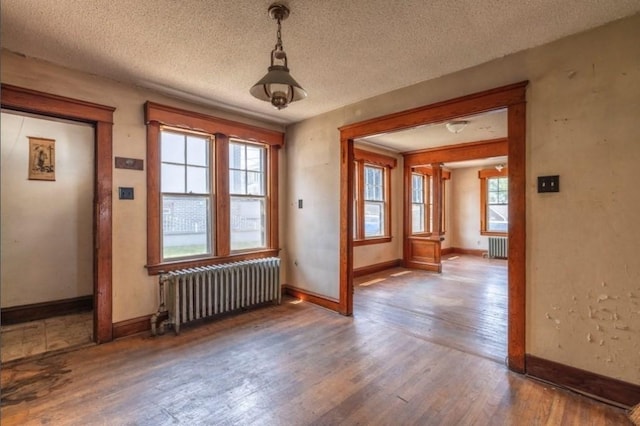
(42, 159)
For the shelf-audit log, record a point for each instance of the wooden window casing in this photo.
(161, 116)
(427, 175)
(484, 176)
(363, 159)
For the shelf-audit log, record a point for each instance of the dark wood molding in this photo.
(378, 267)
(460, 152)
(370, 241)
(583, 381)
(512, 97)
(161, 268)
(374, 158)
(311, 297)
(38, 311)
(460, 250)
(176, 117)
(131, 326)
(101, 117)
(475, 103)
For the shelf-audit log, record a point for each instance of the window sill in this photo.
(369, 241)
(161, 268)
(494, 233)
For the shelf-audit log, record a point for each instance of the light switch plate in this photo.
(125, 193)
(549, 183)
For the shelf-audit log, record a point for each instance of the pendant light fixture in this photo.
(277, 86)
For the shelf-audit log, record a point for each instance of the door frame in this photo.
(511, 97)
(101, 117)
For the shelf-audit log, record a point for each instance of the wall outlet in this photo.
(125, 193)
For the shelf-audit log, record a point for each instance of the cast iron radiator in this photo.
(191, 294)
(498, 247)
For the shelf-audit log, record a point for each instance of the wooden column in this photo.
(222, 208)
(436, 189)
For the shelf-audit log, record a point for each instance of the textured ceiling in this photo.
(213, 51)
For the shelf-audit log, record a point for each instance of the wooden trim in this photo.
(512, 97)
(516, 118)
(374, 158)
(209, 124)
(378, 267)
(346, 226)
(370, 241)
(460, 152)
(38, 311)
(101, 117)
(472, 252)
(131, 326)
(220, 201)
(154, 210)
(311, 297)
(161, 268)
(428, 170)
(222, 216)
(586, 382)
(487, 100)
(27, 100)
(489, 173)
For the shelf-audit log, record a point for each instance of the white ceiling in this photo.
(490, 125)
(213, 51)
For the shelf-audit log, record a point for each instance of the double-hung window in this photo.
(494, 202)
(185, 182)
(372, 195)
(422, 200)
(211, 198)
(247, 188)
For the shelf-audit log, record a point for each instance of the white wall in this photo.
(583, 271)
(135, 293)
(465, 213)
(47, 226)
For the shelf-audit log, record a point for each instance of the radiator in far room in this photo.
(498, 247)
(192, 294)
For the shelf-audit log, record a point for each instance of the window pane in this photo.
(172, 147)
(373, 179)
(493, 198)
(254, 158)
(197, 151)
(237, 182)
(493, 184)
(498, 218)
(417, 190)
(503, 184)
(185, 226)
(373, 219)
(236, 156)
(197, 180)
(172, 178)
(248, 229)
(417, 218)
(255, 185)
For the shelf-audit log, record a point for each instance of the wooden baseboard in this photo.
(38, 311)
(131, 326)
(583, 381)
(445, 251)
(472, 252)
(378, 267)
(308, 296)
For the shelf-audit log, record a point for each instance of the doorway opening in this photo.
(101, 119)
(511, 98)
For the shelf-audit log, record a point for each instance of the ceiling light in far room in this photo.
(278, 86)
(456, 126)
(499, 167)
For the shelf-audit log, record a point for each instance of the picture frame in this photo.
(42, 159)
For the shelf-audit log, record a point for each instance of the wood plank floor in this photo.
(464, 308)
(293, 364)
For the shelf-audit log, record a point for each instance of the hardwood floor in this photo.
(464, 308)
(293, 364)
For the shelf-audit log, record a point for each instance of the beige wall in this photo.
(47, 226)
(583, 271)
(465, 219)
(134, 291)
(380, 253)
